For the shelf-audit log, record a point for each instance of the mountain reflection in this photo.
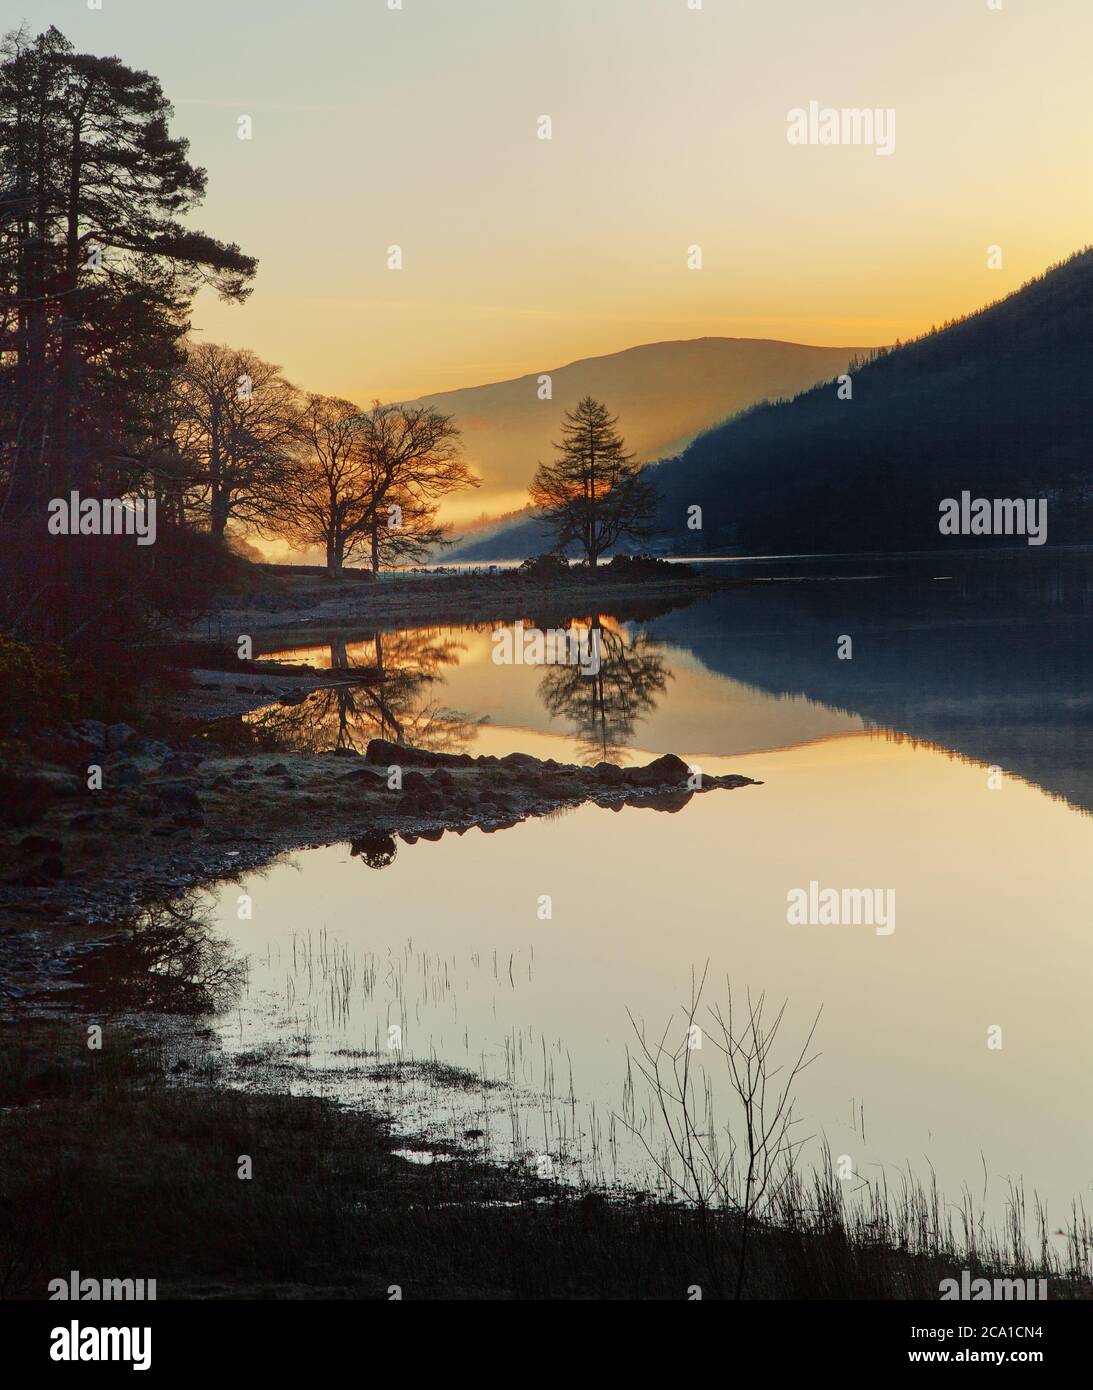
(994, 667)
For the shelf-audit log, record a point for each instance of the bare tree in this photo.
(368, 484)
(237, 423)
(415, 460)
(746, 1178)
(327, 500)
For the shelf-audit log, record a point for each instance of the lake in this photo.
(944, 758)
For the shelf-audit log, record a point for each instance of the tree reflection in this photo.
(385, 692)
(605, 708)
(169, 960)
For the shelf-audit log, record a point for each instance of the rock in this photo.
(124, 775)
(276, 770)
(387, 754)
(180, 798)
(92, 731)
(118, 735)
(519, 760)
(364, 774)
(415, 782)
(666, 771)
(609, 773)
(175, 763)
(39, 844)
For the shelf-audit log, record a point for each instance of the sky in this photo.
(419, 127)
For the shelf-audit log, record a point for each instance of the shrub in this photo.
(548, 566)
(35, 687)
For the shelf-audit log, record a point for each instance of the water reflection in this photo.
(604, 709)
(993, 663)
(990, 674)
(387, 692)
(447, 946)
(170, 959)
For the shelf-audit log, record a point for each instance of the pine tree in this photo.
(593, 494)
(97, 268)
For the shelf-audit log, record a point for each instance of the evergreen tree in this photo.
(593, 494)
(97, 269)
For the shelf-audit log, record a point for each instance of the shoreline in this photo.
(283, 602)
(167, 823)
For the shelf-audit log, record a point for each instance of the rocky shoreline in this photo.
(166, 821)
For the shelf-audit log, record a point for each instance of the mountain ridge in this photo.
(664, 393)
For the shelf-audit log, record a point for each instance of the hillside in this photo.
(999, 404)
(663, 393)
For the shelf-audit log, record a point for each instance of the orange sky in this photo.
(419, 127)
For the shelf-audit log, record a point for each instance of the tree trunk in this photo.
(219, 510)
(335, 559)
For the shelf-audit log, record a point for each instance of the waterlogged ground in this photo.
(948, 763)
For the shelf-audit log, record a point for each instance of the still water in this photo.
(946, 761)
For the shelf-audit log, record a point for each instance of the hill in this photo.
(663, 393)
(999, 404)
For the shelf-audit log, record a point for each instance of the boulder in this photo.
(666, 771)
(387, 754)
(519, 760)
(179, 798)
(175, 763)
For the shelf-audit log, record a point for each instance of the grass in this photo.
(115, 1166)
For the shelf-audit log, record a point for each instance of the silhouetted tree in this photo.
(96, 267)
(593, 494)
(414, 461)
(365, 478)
(237, 425)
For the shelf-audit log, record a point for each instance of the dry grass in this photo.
(114, 1168)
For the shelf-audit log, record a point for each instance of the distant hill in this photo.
(664, 394)
(999, 404)
(513, 537)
